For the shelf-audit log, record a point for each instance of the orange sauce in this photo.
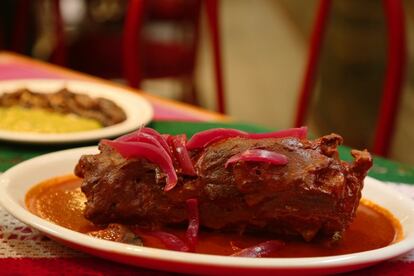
(61, 201)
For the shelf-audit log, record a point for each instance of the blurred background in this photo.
(167, 47)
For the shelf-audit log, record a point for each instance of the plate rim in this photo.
(145, 113)
(162, 255)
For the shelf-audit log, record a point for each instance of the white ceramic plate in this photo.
(138, 110)
(18, 180)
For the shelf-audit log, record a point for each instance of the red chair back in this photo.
(394, 73)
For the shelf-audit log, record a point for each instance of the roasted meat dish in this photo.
(308, 193)
(64, 101)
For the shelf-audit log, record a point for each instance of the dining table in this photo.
(26, 251)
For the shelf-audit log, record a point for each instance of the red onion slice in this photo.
(193, 223)
(144, 138)
(259, 155)
(165, 136)
(178, 144)
(203, 138)
(300, 132)
(150, 152)
(170, 241)
(146, 134)
(263, 249)
(157, 136)
(130, 137)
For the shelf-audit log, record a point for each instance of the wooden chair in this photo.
(394, 73)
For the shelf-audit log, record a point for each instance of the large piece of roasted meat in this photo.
(313, 193)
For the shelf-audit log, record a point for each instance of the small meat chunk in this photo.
(117, 233)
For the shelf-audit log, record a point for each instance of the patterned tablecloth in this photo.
(25, 251)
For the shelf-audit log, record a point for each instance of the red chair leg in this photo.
(59, 54)
(194, 46)
(213, 21)
(131, 61)
(396, 55)
(312, 63)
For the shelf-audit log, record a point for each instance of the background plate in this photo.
(138, 110)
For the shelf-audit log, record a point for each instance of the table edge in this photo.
(82, 76)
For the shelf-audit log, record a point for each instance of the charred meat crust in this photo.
(315, 193)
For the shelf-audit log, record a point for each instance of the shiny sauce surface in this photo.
(61, 201)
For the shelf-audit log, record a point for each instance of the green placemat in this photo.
(386, 170)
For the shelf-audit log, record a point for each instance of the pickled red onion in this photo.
(130, 137)
(144, 134)
(203, 138)
(144, 138)
(178, 144)
(157, 136)
(260, 250)
(299, 132)
(150, 152)
(259, 155)
(170, 241)
(193, 223)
